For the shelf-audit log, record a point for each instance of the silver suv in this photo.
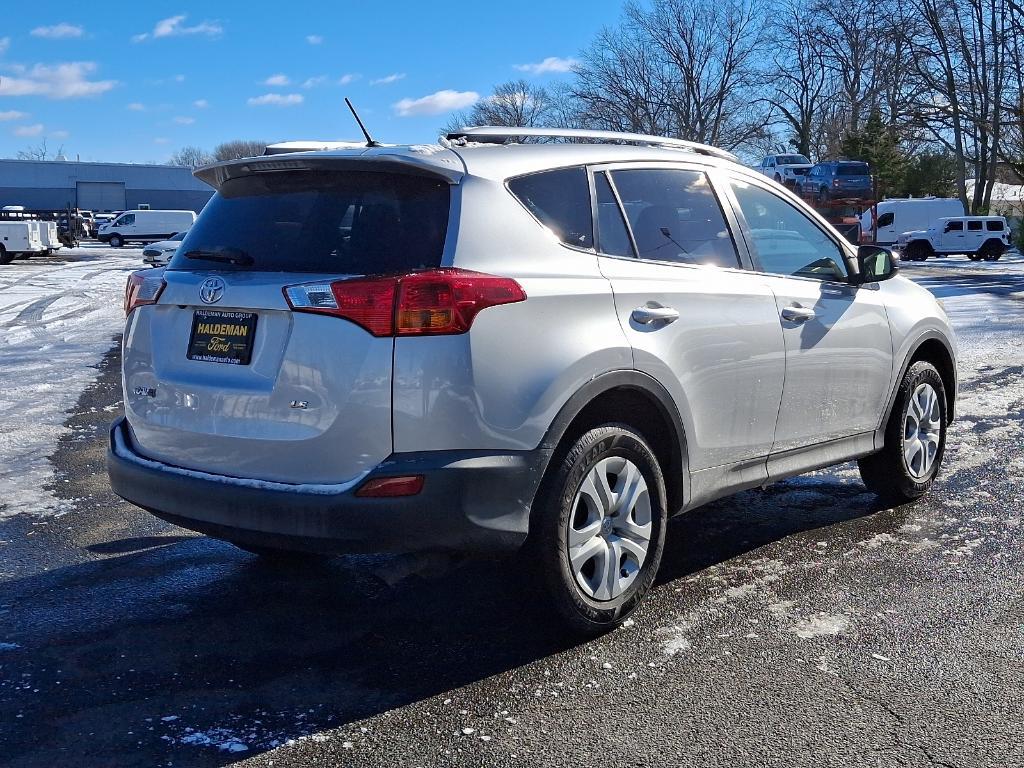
(481, 345)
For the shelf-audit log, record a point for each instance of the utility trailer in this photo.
(846, 214)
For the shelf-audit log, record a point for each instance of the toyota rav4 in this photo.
(484, 345)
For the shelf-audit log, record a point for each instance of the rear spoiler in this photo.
(381, 160)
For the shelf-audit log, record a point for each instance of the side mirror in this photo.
(875, 263)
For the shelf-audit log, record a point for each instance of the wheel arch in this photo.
(633, 398)
(935, 349)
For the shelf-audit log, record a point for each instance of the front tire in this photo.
(116, 241)
(598, 529)
(915, 439)
(919, 251)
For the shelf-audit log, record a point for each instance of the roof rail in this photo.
(492, 132)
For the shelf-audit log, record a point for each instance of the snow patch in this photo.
(821, 625)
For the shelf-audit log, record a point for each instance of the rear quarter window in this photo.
(994, 226)
(560, 200)
(346, 223)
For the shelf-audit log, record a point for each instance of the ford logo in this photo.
(211, 290)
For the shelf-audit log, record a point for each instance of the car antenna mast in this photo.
(369, 139)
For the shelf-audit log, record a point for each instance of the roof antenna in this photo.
(369, 139)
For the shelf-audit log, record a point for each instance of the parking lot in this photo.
(798, 625)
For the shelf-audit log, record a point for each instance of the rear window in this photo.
(994, 226)
(852, 169)
(351, 223)
(793, 160)
(560, 200)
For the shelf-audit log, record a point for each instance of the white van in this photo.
(18, 238)
(145, 226)
(906, 215)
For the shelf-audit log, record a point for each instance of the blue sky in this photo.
(132, 82)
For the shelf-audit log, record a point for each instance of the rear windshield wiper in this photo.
(227, 255)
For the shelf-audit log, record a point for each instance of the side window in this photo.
(994, 226)
(127, 220)
(974, 226)
(561, 202)
(675, 217)
(954, 226)
(612, 237)
(785, 240)
(886, 219)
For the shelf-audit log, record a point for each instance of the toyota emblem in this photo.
(211, 290)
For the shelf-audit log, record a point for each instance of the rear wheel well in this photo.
(935, 352)
(643, 412)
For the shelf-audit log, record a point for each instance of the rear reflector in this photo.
(142, 289)
(435, 302)
(391, 487)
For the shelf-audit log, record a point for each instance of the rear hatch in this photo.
(230, 372)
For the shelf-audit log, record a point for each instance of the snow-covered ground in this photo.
(58, 316)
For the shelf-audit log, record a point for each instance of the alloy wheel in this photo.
(922, 430)
(610, 528)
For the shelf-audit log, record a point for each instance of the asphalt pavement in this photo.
(801, 625)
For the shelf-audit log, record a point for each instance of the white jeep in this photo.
(787, 170)
(978, 237)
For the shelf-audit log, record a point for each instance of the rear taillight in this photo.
(436, 302)
(141, 289)
(391, 487)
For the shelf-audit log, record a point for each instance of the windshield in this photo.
(852, 169)
(352, 223)
(793, 160)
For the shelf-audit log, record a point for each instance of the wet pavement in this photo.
(799, 625)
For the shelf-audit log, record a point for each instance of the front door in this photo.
(698, 323)
(838, 345)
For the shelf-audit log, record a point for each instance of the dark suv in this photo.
(838, 179)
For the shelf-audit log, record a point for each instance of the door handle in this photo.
(797, 314)
(648, 315)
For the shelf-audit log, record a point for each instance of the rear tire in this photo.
(915, 439)
(598, 529)
(5, 257)
(991, 251)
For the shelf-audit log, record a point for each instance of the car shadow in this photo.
(186, 642)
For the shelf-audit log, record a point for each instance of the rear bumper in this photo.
(471, 501)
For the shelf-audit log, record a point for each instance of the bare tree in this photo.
(238, 148)
(191, 157)
(798, 84)
(38, 152)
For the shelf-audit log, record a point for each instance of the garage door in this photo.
(101, 195)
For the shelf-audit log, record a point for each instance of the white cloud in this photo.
(136, 106)
(5, 43)
(59, 134)
(348, 79)
(200, 103)
(184, 120)
(277, 81)
(29, 130)
(313, 82)
(12, 114)
(436, 103)
(276, 100)
(179, 78)
(393, 78)
(59, 31)
(175, 27)
(550, 64)
(314, 39)
(56, 81)
(160, 140)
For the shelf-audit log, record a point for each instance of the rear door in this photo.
(698, 322)
(222, 376)
(837, 339)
